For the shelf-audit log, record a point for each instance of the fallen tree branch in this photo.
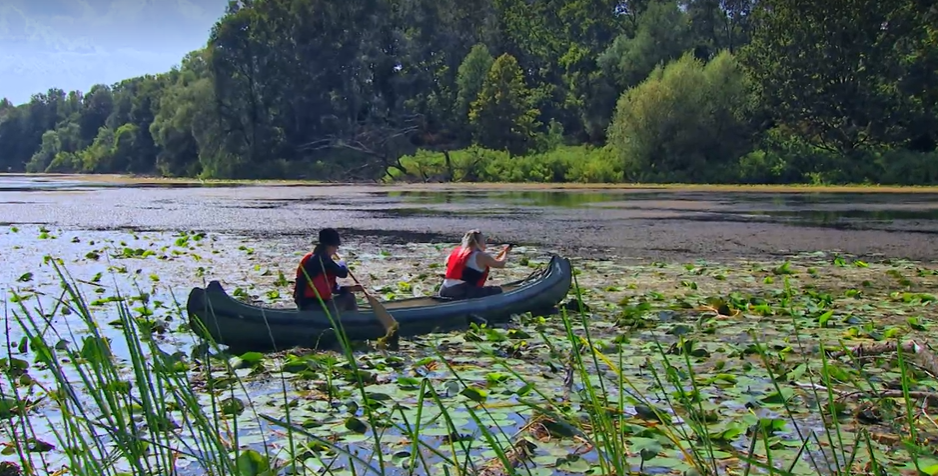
(873, 349)
(930, 397)
(926, 357)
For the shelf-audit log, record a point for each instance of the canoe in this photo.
(246, 327)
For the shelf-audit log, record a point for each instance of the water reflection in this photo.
(804, 208)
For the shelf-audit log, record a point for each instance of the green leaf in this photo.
(475, 394)
(355, 425)
(252, 463)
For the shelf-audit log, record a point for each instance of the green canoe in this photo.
(246, 327)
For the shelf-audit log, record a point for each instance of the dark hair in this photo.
(329, 237)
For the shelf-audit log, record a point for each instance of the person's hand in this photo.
(342, 264)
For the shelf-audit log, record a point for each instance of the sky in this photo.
(74, 44)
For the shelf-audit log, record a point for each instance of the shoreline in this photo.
(525, 186)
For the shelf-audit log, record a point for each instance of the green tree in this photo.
(502, 116)
(688, 121)
(663, 33)
(97, 106)
(470, 77)
(832, 71)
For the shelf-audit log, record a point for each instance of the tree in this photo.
(97, 105)
(688, 121)
(832, 71)
(662, 34)
(470, 77)
(502, 116)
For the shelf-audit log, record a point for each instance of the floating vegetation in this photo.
(819, 364)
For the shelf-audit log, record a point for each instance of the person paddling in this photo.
(467, 269)
(320, 276)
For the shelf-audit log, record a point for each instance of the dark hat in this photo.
(329, 237)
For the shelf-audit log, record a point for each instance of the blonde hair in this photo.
(472, 239)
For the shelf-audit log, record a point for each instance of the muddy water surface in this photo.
(632, 223)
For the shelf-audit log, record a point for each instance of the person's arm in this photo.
(485, 259)
(315, 267)
(339, 269)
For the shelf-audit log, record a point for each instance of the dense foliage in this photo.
(573, 90)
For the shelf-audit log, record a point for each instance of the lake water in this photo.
(649, 223)
(163, 239)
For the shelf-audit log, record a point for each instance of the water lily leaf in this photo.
(475, 394)
(96, 349)
(35, 445)
(776, 398)
(797, 372)
(356, 425)
(824, 318)
(724, 379)
(408, 383)
(252, 463)
(647, 413)
(729, 433)
(252, 358)
(400, 457)
(573, 464)
(930, 470)
(497, 377)
(232, 406)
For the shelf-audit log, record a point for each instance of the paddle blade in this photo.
(381, 312)
(387, 320)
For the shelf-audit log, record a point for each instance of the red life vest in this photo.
(323, 282)
(456, 267)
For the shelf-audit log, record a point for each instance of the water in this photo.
(256, 231)
(833, 209)
(650, 223)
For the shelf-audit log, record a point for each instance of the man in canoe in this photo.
(468, 266)
(317, 272)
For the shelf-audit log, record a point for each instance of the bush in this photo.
(687, 122)
(906, 167)
(475, 164)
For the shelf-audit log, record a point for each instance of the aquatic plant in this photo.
(757, 381)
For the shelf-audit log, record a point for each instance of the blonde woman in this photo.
(468, 266)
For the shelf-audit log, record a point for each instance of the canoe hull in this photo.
(246, 327)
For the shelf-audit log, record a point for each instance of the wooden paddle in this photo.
(391, 338)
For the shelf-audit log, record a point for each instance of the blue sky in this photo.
(73, 44)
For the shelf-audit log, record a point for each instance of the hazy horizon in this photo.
(75, 44)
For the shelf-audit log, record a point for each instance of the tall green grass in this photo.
(113, 418)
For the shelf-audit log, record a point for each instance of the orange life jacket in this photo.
(324, 283)
(456, 267)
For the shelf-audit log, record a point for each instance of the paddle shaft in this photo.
(380, 311)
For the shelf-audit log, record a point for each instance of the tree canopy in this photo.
(588, 90)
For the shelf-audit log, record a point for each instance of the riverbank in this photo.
(130, 180)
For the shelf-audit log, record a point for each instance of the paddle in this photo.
(391, 338)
